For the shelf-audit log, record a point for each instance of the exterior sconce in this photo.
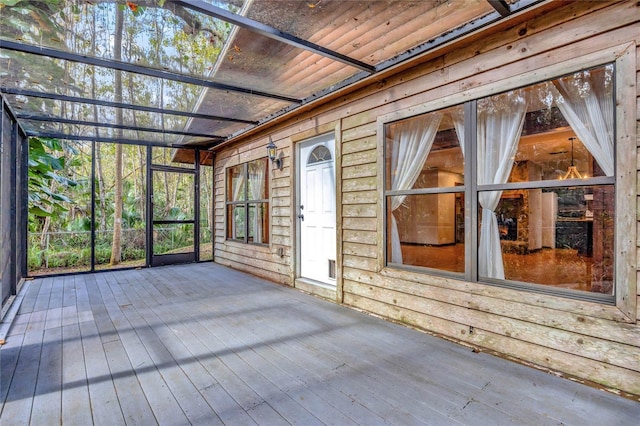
(272, 152)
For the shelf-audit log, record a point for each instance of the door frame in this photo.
(334, 293)
(174, 258)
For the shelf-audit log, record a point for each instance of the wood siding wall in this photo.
(585, 340)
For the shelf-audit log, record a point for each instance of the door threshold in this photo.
(317, 288)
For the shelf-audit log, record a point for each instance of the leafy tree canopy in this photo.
(47, 161)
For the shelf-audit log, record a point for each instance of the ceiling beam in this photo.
(31, 117)
(270, 32)
(500, 6)
(136, 69)
(124, 141)
(111, 104)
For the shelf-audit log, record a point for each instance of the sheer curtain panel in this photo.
(586, 102)
(412, 141)
(500, 122)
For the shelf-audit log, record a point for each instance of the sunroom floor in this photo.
(205, 344)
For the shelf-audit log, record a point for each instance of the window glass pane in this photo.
(236, 222)
(430, 231)
(235, 183)
(257, 179)
(258, 223)
(560, 237)
(426, 151)
(319, 154)
(561, 129)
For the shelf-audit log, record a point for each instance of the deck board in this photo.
(48, 398)
(30, 296)
(76, 406)
(20, 396)
(102, 392)
(204, 344)
(8, 360)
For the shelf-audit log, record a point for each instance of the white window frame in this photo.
(624, 58)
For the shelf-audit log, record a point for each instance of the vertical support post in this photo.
(149, 213)
(3, 292)
(12, 152)
(471, 186)
(196, 206)
(93, 206)
(23, 205)
(212, 228)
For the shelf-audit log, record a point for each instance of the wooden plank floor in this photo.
(203, 344)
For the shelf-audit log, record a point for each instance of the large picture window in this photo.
(515, 188)
(248, 202)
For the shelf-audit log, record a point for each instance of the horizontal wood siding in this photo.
(588, 341)
(263, 261)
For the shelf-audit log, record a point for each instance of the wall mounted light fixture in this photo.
(272, 152)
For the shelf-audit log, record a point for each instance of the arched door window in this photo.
(319, 154)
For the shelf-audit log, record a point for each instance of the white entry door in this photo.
(316, 210)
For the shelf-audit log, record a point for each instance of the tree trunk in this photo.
(116, 249)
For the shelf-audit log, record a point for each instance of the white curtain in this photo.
(257, 173)
(586, 102)
(412, 141)
(238, 192)
(238, 186)
(500, 122)
(457, 116)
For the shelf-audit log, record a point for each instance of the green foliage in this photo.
(46, 162)
(80, 224)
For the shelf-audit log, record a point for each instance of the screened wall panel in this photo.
(59, 238)
(120, 188)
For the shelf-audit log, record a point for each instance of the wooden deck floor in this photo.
(203, 344)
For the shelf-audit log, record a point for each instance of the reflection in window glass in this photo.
(431, 230)
(559, 237)
(567, 132)
(554, 131)
(425, 153)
